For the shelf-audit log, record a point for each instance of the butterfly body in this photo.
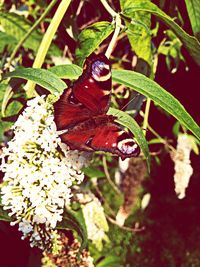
(81, 111)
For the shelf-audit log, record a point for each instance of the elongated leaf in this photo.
(190, 42)
(139, 33)
(42, 77)
(126, 120)
(91, 37)
(111, 261)
(16, 26)
(154, 91)
(74, 221)
(193, 9)
(70, 71)
(7, 40)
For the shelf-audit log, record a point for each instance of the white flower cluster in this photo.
(183, 168)
(38, 177)
(95, 220)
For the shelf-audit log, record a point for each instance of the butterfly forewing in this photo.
(68, 113)
(93, 89)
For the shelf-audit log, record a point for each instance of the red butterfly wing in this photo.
(81, 110)
(89, 96)
(114, 139)
(93, 88)
(101, 136)
(67, 112)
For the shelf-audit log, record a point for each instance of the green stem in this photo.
(30, 31)
(163, 141)
(46, 42)
(108, 176)
(146, 115)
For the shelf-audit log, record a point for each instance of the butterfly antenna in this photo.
(128, 103)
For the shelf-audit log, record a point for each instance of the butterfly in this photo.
(81, 110)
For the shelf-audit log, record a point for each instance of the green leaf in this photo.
(154, 91)
(3, 125)
(109, 261)
(93, 172)
(7, 40)
(74, 221)
(71, 71)
(13, 108)
(16, 26)
(190, 42)
(91, 37)
(138, 33)
(3, 214)
(42, 77)
(127, 121)
(193, 9)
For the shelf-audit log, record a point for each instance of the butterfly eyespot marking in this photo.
(100, 71)
(128, 147)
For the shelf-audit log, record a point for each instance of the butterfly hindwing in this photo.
(103, 136)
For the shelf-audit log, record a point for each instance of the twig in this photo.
(103, 198)
(146, 115)
(108, 176)
(134, 230)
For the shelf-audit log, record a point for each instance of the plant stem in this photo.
(30, 31)
(108, 8)
(46, 42)
(115, 36)
(161, 139)
(117, 27)
(146, 115)
(108, 176)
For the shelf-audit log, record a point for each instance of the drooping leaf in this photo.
(139, 33)
(70, 71)
(16, 26)
(193, 9)
(13, 108)
(74, 221)
(190, 42)
(42, 77)
(111, 261)
(154, 91)
(91, 37)
(127, 121)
